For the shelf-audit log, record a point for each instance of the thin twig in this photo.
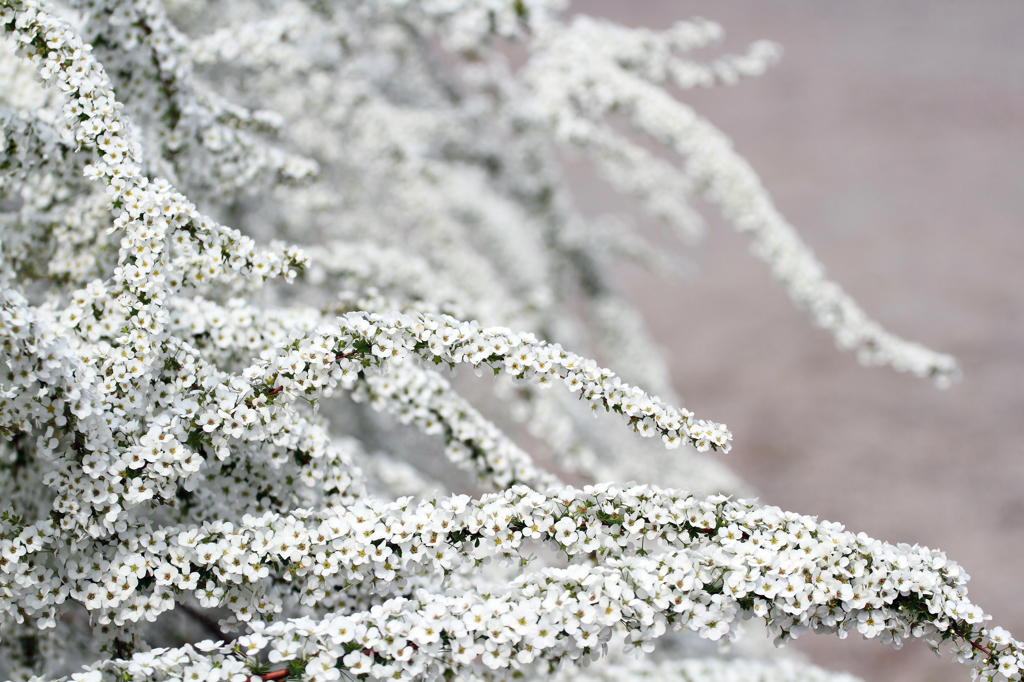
(981, 648)
(209, 624)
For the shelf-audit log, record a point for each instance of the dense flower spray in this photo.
(225, 456)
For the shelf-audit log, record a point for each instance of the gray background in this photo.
(891, 135)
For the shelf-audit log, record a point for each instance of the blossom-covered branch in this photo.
(174, 465)
(710, 562)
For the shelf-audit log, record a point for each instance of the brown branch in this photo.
(981, 648)
(276, 675)
(208, 624)
(970, 641)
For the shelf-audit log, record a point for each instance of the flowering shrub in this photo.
(187, 494)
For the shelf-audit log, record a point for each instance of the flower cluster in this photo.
(362, 339)
(178, 458)
(31, 146)
(710, 561)
(416, 395)
(593, 68)
(208, 141)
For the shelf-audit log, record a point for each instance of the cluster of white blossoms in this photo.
(187, 450)
(592, 68)
(641, 560)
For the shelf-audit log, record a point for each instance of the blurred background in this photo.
(891, 135)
